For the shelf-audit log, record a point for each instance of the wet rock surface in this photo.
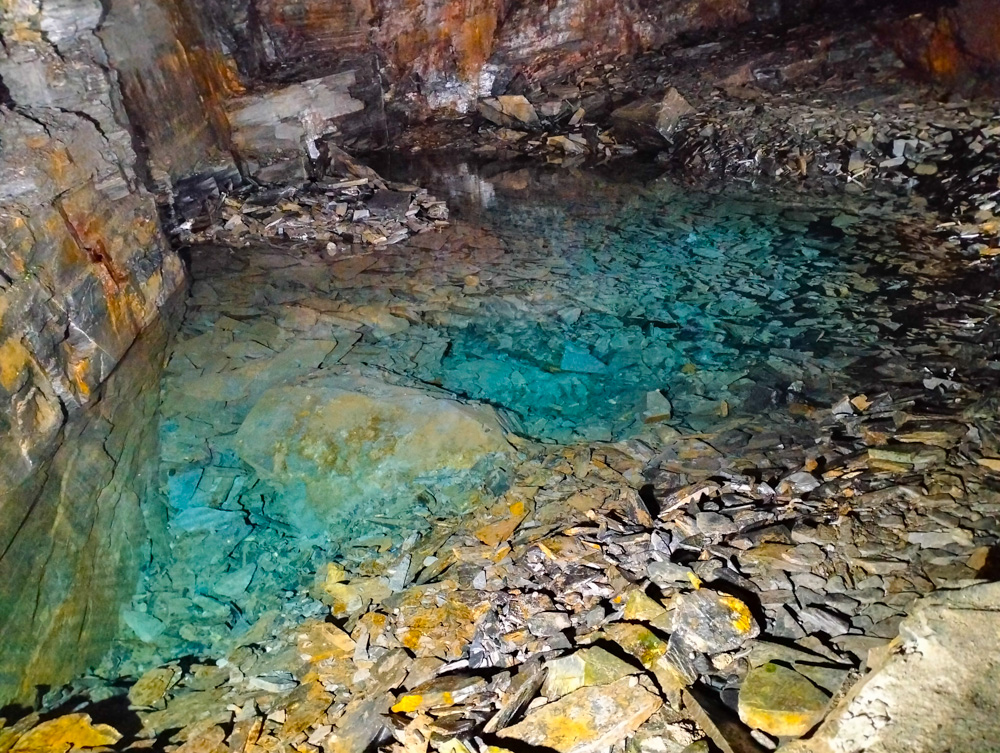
(615, 466)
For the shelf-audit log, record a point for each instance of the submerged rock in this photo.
(354, 445)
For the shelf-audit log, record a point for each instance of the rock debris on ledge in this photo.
(358, 209)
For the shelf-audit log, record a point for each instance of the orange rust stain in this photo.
(474, 41)
(943, 57)
(14, 359)
(78, 370)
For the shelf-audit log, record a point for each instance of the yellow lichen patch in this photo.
(408, 704)
(65, 733)
(444, 630)
(510, 514)
(304, 708)
(741, 617)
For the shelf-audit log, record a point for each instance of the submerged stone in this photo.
(346, 448)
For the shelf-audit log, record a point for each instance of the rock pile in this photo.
(355, 210)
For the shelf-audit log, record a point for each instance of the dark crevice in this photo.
(88, 117)
(5, 96)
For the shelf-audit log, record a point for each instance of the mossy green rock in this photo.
(780, 701)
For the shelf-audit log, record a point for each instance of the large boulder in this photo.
(347, 447)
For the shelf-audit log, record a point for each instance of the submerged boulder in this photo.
(345, 448)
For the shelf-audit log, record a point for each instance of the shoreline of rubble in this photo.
(747, 563)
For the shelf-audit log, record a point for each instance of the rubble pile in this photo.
(356, 210)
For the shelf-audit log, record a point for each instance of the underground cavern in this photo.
(499, 376)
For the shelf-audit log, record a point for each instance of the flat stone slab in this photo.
(589, 719)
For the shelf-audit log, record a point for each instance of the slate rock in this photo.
(713, 622)
(587, 720)
(780, 701)
(584, 668)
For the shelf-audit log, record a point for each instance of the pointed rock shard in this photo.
(589, 719)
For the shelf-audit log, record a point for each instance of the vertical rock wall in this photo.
(441, 55)
(84, 269)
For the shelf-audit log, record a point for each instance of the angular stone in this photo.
(152, 686)
(583, 668)
(448, 690)
(641, 608)
(510, 111)
(713, 622)
(69, 732)
(587, 720)
(780, 701)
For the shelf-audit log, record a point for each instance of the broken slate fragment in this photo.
(584, 668)
(589, 719)
(780, 701)
(713, 622)
(510, 111)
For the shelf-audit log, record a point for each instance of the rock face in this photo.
(276, 131)
(356, 446)
(84, 268)
(959, 45)
(74, 532)
(927, 696)
(437, 55)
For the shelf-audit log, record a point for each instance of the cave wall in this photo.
(441, 55)
(956, 45)
(85, 268)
